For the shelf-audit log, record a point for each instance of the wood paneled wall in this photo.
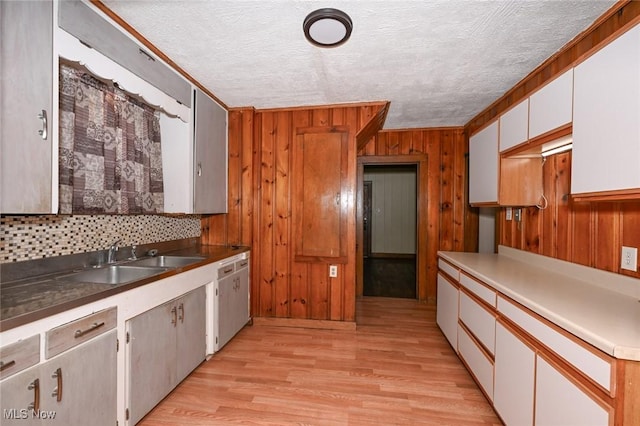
(590, 234)
(445, 221)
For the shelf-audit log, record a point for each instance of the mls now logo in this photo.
(24, 413)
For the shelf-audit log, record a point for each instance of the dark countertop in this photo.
(30, 299)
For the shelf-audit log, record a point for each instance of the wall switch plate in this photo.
(333, 271)
(517, 213)
(509, 213)
(629, 258)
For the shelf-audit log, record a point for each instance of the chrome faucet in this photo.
(112, 251)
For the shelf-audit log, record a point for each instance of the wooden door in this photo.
(320, 194)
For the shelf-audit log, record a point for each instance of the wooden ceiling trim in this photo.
(366, 134)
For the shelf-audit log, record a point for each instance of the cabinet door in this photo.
(514, 376)
(152, 358)
(559, 402)
(26, 62)
(484, 166)
(478, 362)
(191, 332)
(479, 321)
(210, 181)
(551, 106)
(241, 302)
(20, 395)
(225, 309)
(447, 311)
(606, 118)
(80, 384)
(514, 126)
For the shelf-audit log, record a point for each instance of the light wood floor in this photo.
(395, 369)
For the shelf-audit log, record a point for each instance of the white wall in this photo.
(393, 227)
(486, 230)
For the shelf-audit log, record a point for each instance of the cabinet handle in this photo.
(337, 198)
(35, 387)
(57, 392)
(4, 366)
(181, 315)
(226, 271)
(43, 132)
(94, 326)
(199, 169)
(174, 316)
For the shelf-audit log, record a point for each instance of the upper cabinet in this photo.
(514, 126)
(26, 132)
(210, 160)
(606, 121)
(484, 166)
(551, 107)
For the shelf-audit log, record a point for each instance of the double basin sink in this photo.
(131, 271)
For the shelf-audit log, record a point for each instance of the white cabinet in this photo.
(26, 149)
(514, 126)
(514, 370)
(447, 310)
(479, 321)
(70, 388)
(484, 166)
(551, 107)
(165, 344)
(232, 300)
(606, 118)
(478, 362)
(210, 157)
(561, 402)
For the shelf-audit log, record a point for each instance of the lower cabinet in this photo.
(514, 377)
(559, 401)
(74, 388)
(477, 361)
(447, 310)
(232, 300)
(165, 344)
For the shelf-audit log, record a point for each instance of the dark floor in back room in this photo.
(390, 277)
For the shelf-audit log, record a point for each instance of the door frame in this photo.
(422, 174)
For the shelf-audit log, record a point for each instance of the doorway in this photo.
(389, 230)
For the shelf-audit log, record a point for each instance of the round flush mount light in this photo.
(327, 27)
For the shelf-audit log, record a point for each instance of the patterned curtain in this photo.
(110, 157)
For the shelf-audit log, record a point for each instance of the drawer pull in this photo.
(94, 326)
(57, 392)
(226, 271)
(35, 387)
(4, 366)
(243, 263)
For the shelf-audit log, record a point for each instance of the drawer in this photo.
(242, 264)
(67, 336)
(225, 270)
(20, 355)
(479, 364)
(449, 269)
(479, 289)
(593, 366)
(479, 321)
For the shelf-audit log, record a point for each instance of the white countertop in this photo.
(599, 307)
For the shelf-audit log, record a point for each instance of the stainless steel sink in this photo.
(167, 261)
(114, 274)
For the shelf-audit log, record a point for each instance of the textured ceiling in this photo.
(439, 63)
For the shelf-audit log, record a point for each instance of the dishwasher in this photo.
(232, 300)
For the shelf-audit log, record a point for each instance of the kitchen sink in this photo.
(114, 274)
(167, 261)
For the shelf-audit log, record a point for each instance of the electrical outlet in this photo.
(333, 271)
(629, 258)
(509, 213)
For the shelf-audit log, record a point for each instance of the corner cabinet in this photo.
(26, 62)
(606, 121)
(210, 155)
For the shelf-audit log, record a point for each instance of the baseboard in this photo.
(305, 323)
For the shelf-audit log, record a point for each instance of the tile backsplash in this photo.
(37, 237)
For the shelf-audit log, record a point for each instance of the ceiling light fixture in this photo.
(327, 27)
